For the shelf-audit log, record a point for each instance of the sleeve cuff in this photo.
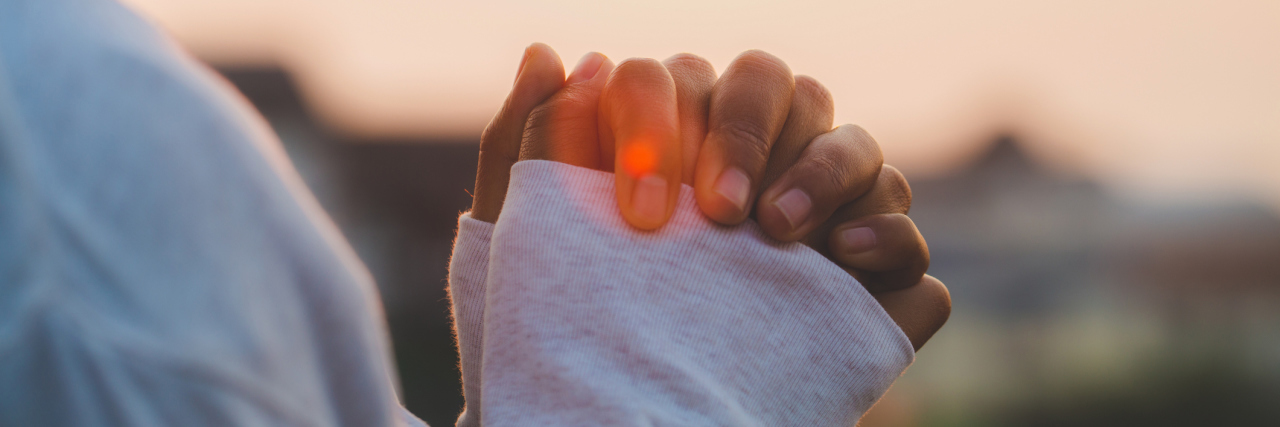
(468, 269)
(721, 324)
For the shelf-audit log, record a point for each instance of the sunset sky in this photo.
(1158, 99)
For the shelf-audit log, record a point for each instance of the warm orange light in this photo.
(639, 158)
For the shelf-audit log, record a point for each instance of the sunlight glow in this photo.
(1131, 93)
(639, 158)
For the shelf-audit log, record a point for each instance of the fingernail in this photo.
(649, 199)
(795, 205)
(858, 240)
(734, 185)
(587, 68)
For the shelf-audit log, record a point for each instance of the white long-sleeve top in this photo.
(162, 264)
(563, 306)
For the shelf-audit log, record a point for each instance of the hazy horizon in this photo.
(1157, 100)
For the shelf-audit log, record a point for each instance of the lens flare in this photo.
(639, 158)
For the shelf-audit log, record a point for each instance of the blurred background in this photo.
(1099, 181)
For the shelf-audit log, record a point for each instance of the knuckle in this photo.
(861, 140)
(496, 139)
(851, 166)
(490, 134)
(541, 116)
(689, 62)
(831, 169)
(636, 77)
(562, 114)
(897, 187)
(939, 296)
(923, 260)
(747, 136)
(812, 89)
(916, 250)
(761, 62)
(540, 122)
(757, 56)
(636, 67)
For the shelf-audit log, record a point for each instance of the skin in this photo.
(659, 124)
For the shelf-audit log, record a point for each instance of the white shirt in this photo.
(567, 316)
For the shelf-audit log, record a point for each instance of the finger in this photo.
(749, 106)
(889, 194)
(920, 310)
(541, 75)
(833, 170)
(563, 129)
(638, 116)
(885, 251)
(811, 114)
(694, 77)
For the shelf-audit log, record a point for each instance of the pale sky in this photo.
(1158, 99)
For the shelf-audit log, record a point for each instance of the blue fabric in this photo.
(160, 262)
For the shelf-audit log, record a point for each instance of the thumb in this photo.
(563, 129)
(640, 132)
(540, 76)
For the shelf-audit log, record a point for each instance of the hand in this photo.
(756, 127)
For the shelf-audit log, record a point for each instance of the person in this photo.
(164, 265)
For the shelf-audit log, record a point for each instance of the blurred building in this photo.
(1072, 306)
(1022, 237)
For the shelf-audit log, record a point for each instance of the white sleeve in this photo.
(467, 270)
(587, 321)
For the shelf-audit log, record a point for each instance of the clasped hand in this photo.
(755, 142)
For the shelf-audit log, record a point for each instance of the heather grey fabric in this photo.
(587, 321)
